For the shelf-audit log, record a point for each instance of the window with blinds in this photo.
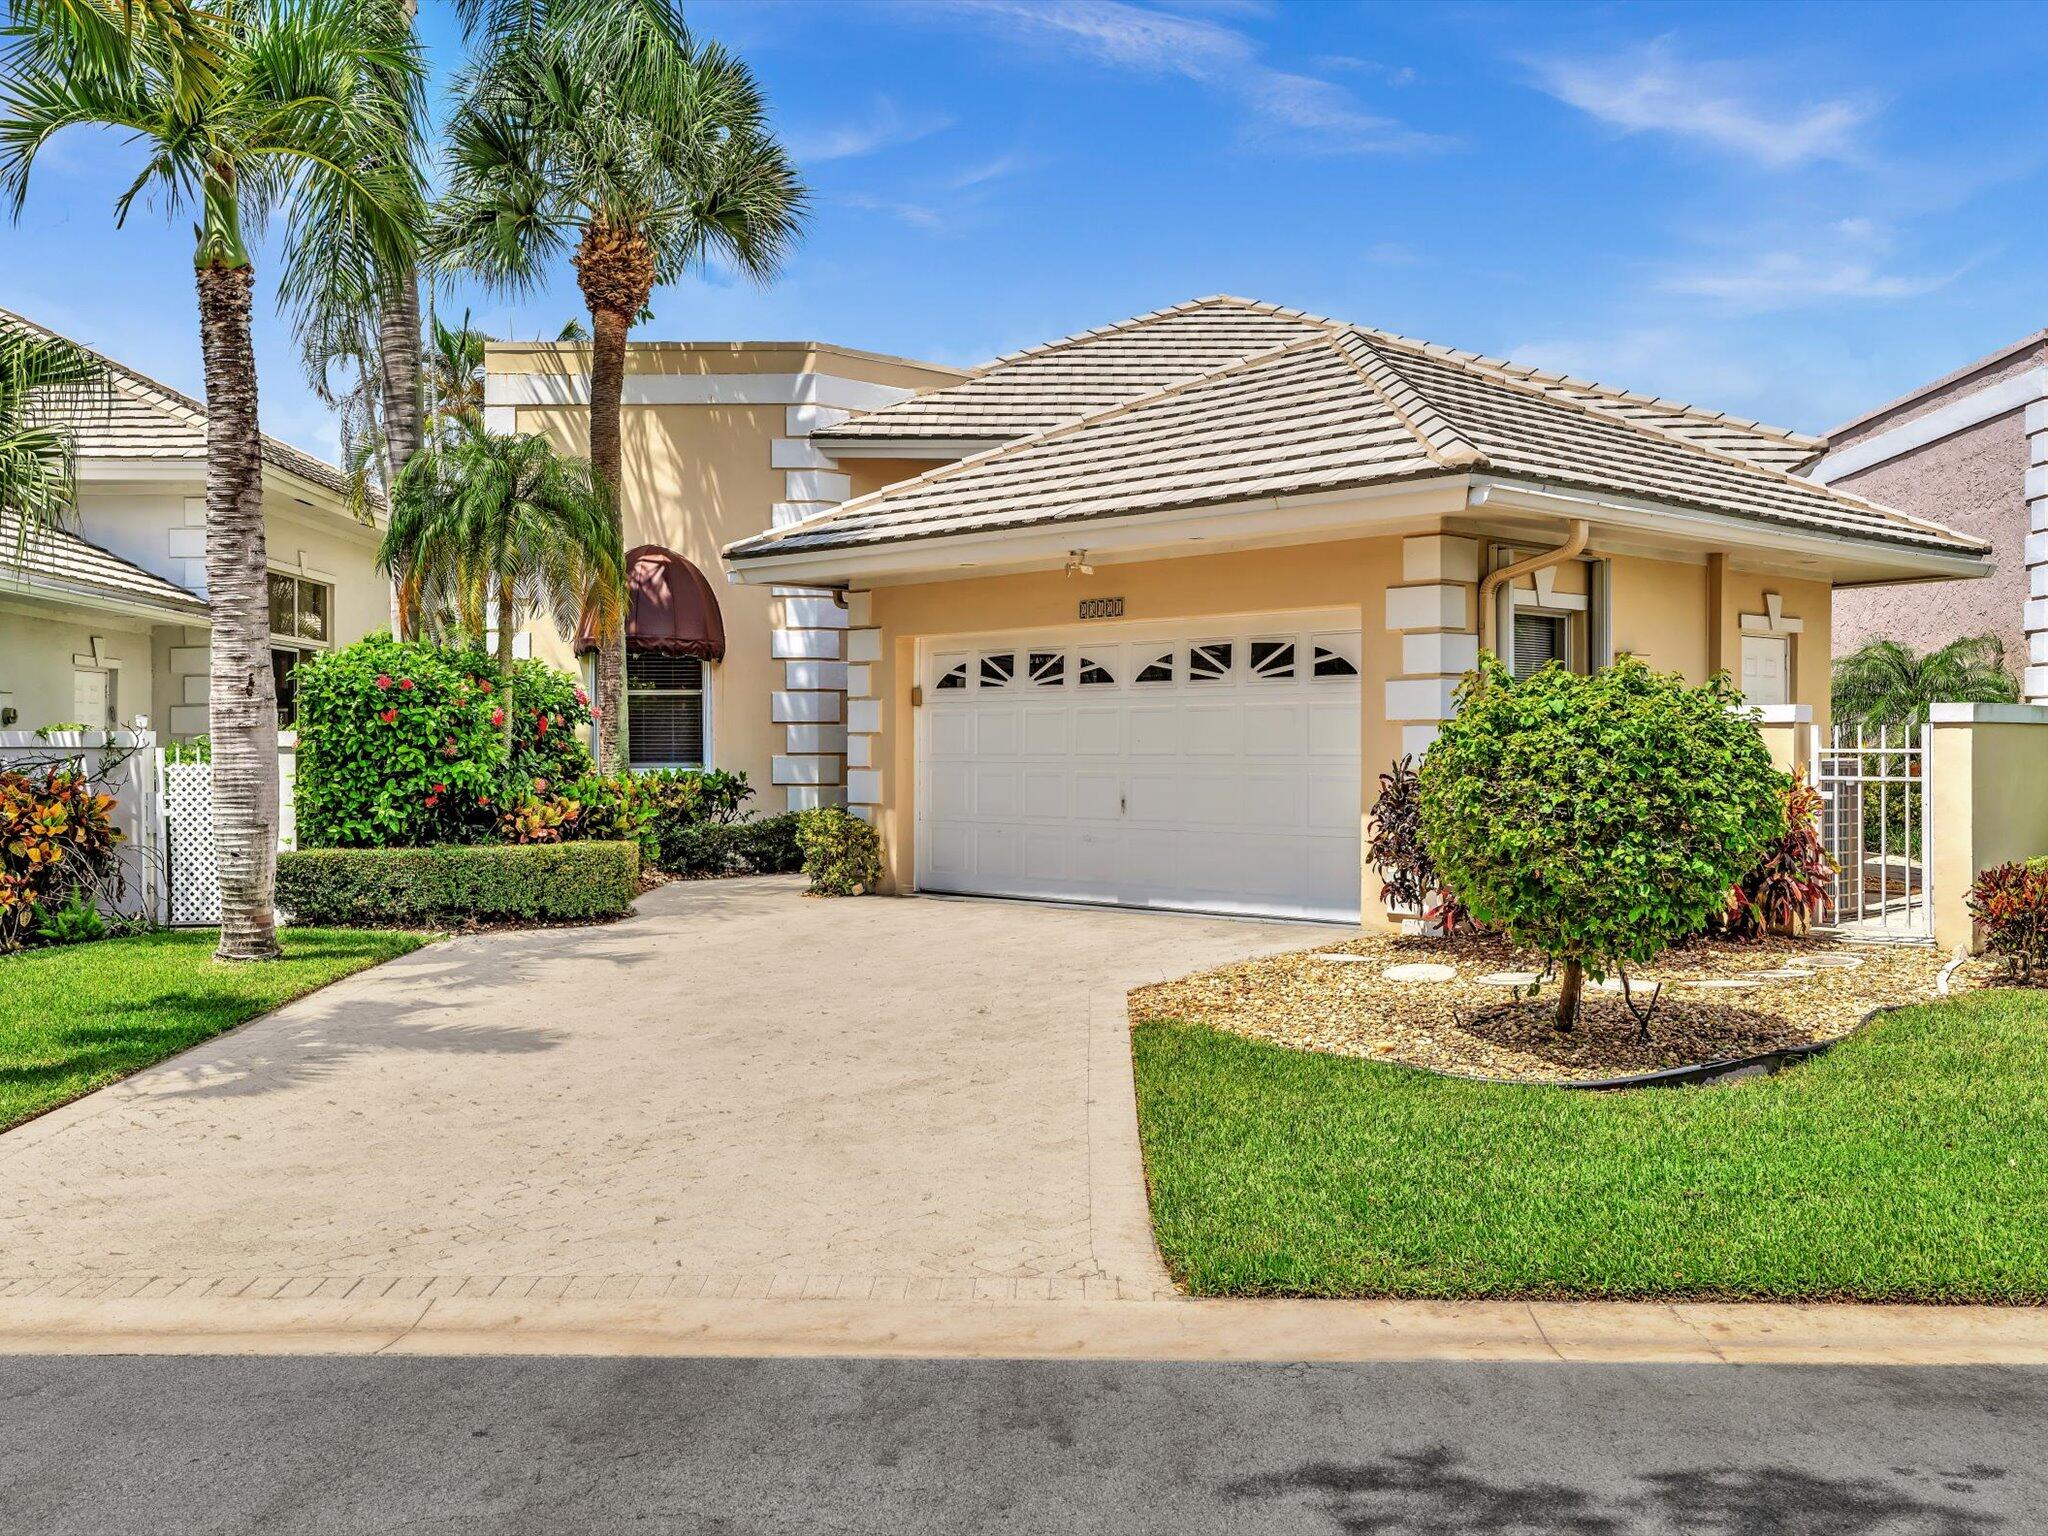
(664, 710)
(1539, 640)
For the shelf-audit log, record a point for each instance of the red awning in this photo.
(670, 608)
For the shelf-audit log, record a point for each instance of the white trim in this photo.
(1440, 606)
(501, 419)
(796, 453)
(2013, 394)
(565, 388)
(910, 447)
(1774, 622)
(1987, 714)
(1782, 714)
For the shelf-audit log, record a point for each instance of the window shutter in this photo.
(1539, 640)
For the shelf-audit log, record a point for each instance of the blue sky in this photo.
(1791, 212)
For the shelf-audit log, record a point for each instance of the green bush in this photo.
(549, 711)
(770, 846)
(57, 841)
(616, 807)
(842, 855)
(706, 848)
(1597, 819)
(399, 886)
(397, 747)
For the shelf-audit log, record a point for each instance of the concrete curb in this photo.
(1540, 1332)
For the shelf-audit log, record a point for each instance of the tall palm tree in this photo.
(603, 126)
(489, 526)
(43, 379)
(454, 375)
(242, 108)
(1886, 683)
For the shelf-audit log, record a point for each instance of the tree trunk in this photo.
(508, 615)
(398, 356)
(242, 702)
(615, 271)
(1571, 988)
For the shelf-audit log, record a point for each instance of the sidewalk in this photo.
(1319, 1331)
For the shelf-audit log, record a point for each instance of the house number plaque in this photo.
(1102, 607)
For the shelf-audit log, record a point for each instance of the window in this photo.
(1272, 660)
(1048, 669)
(998, 670)
(1209, 663)
(1158, 670)
(664, 710)
(284, 667)
(954, 676)
(1096, 674)
(1331, 660)
(1539, 640)
(299, 608)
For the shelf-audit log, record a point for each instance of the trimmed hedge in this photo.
(452, 882)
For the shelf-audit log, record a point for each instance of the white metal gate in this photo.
(1876, 819)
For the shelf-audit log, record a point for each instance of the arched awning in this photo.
(670, 608)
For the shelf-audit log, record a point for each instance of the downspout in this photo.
(1573, 546)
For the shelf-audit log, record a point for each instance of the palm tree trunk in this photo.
(241, 703)
(607, 385)
(507, 616)
(398, 357)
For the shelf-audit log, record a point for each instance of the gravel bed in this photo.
(1337, 1000)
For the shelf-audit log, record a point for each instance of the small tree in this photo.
(1597, 819)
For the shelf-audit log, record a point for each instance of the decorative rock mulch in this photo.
(1720, 1002)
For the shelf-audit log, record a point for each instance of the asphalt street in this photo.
(552, 1445)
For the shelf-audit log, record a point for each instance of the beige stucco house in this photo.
(717, 444)
(106, 621)
(1139, 615)
(1970, 448)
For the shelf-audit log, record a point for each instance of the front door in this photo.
(92, 699)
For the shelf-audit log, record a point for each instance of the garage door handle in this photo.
(1123, 805)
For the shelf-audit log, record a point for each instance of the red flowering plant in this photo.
(1790, 886)
(395, 748)
(57, 838)
(2011, 902)
(549, 715)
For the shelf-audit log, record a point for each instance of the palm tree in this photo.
(454, 376)
(243, 108)
(1886, 683)
(600, 124)
(43, 379)
(480, 519)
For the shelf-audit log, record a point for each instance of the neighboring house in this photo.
(1138, 616)
(715, 446)
(1970, 449)
(106, 621)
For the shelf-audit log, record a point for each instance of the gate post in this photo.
(1989, 801)
(1787, 730)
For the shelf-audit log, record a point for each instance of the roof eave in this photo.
(166, 610)
(906, 447)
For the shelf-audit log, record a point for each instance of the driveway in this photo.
(736, 1092)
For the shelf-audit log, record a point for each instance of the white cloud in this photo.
(1785, 279)
(1302, 111)
(1652, 89)
(916, 215)
(1675, 362)
(884, 126)
(982, 172)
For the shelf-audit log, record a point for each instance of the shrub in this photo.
(842, 854)
(684, 800)
(1597, 819)
(549, 711)
(75, 921)
(1408, 877)
(56, 833)
(542, 882)
(1788, 887)
(535, 820)
(770, 846)
(2011, 901)
(616, 807)
(396, 747)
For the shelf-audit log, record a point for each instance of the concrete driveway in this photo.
(737, 1092)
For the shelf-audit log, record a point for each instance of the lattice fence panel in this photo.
(188, 828)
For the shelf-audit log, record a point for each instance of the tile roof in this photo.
(1337, 409)
(52, 554)
(1063, 381)
(144, 419)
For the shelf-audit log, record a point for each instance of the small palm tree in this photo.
(1886, 683)
(454, 375)
(243, 108)
(482, 522)
(603, 126)
(43, 380)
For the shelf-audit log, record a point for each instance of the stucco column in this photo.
(1989, 801)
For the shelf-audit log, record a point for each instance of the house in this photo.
(716, 444)
(1139, 615)
(106, 620)
(1970, 448)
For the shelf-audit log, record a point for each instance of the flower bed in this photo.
(1339, 1000)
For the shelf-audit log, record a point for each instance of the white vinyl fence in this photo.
(164, 810)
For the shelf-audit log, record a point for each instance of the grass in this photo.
(76, 1018)
(1910, 1163)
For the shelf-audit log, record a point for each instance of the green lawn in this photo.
(76, 1018)
(1908, 1164)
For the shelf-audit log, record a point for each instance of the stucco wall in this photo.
(35, 663)
(1975, 482)
(1990, 802)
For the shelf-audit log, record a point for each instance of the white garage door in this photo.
(1214, 769)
